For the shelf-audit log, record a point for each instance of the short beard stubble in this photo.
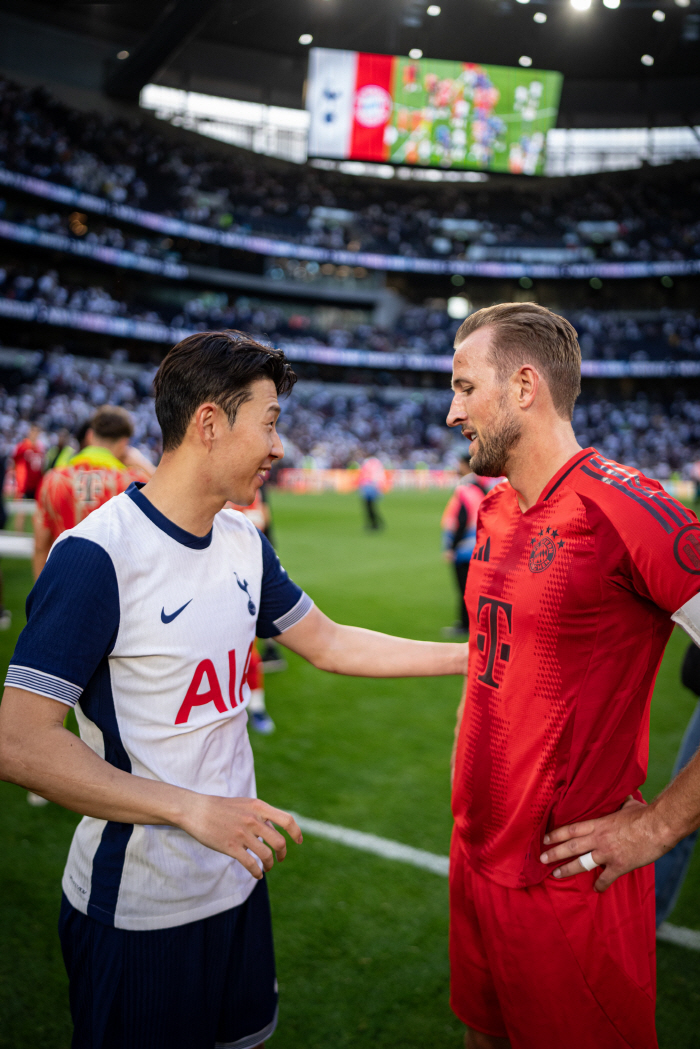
(491, 459)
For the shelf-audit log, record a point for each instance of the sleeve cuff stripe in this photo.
(295, 614)
(44, 684)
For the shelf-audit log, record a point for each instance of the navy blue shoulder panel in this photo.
(72, 625)
(278, 594)
(72, 613)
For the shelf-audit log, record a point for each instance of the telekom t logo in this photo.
(195, 698)
(498, 649)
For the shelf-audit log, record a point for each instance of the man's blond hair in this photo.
(525, 333)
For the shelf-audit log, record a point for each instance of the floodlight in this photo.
(523, 1)
(415, 52)
(525, 60)
(539, 17)
(458, 307)
(682, 3)
(647, 60)
(580, 5)
(121, 55)
(658, 16)
(433, 10)
(612, 4)
(305, 39)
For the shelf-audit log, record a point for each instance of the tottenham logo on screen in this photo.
(543, 549)
(372, 106)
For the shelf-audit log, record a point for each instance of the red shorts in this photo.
(554, 964)
(256, 674)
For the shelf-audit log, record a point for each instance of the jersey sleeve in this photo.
(72, 622)
(658, 539)
(282, 603)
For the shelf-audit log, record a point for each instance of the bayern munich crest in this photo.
(544, 549)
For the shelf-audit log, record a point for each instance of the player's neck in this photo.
(182, 491)
(537, 457)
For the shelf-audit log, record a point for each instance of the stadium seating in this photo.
(637, 219)
(598, 218)
(334, 425)
(621, 335)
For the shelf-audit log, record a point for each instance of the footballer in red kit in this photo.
(580, 564)
(572, 612)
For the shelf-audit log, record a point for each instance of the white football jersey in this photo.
(148, 630)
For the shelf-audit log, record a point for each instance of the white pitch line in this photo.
(429, 861)
(389, 850)
(679, 935)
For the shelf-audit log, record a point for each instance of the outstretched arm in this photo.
(38, 753)
(366, 653)
(633, 836)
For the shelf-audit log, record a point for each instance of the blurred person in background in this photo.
(28, 459)
(103, 468)
(60, 453)
(372, 483)
(670, 870)
(259, 513)
(459, 535)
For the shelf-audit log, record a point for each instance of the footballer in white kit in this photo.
(143, 620)
(145, 629)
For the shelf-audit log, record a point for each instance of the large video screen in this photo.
(398, 110)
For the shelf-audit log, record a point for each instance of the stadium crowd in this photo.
(128, 162)
(327, 425)
(619, 335)
(105, 235)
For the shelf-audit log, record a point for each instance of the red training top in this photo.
(68, 494)
(28, 458)
(571, 604)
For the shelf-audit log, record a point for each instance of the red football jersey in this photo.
(68, 494)
(28, 460)
(571, 604)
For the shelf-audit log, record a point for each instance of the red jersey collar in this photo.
(561, 474)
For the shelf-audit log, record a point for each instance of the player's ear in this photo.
(527, 381)
(205, 423)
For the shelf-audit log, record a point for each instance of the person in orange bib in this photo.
(105, 467)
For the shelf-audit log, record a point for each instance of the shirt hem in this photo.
(163, 921)
(496, 875)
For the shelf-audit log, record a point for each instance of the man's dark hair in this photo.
(525, 333)
(111, 423)
(216, 366)
(80, 432)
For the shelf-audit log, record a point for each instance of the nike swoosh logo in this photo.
(169, 619)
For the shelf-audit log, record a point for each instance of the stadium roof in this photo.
(248, 49)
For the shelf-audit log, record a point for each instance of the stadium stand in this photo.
(123, 172)
(630, 219)
(335, 425)
(638, 335)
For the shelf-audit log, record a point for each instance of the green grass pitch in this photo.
(361, 942)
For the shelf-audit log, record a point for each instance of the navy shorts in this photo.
(207, 984)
